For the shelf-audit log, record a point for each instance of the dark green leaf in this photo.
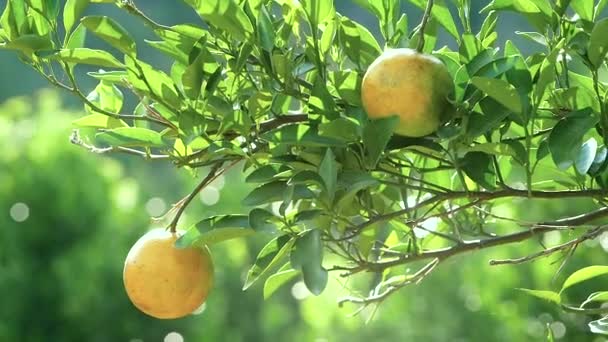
(272, 192)
(260, 220)
(492, 116)
(479, 167)
(567, 135)
(307, 255)
(376, 135)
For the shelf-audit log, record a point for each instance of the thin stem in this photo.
(425, 19)
(211, 176)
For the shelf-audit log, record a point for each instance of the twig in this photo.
(546, 252)
(425, 19)
(480, 196)
(415, 278)
(211, 176)
(467, 246)
(76, 140)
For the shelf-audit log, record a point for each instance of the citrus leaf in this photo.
(501, 91)
(598, 43)
(275, 281)
(72, 11)
(99, 121)
(584, 274)
(269, 257)
(132, 136)
(111, 32)
(88, 56)
(550, 296)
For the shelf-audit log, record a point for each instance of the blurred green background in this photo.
(68, 218)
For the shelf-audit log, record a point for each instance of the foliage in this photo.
(273, 88)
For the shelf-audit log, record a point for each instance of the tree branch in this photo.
(466, 246)
(546, 252)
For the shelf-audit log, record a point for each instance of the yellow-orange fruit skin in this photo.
(411, 85)
(163, 281)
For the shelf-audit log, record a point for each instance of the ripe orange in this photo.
(166, 282)
(408, 84)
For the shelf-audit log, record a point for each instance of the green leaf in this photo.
(585, 156)
(275, 281)
(348, 85)
(329, 173)
(99, 121)
(317, 11)
(262, 174)
(442, 14)
(566, 137)
(72, 11)
(345, 129)
(88, 56)
(29, 43)
(584, 8)
(226, 15)
(107, 97)
(158, 84)
(77, 38)
(546, 74)
(111, 32)
(598, 43)
(117, 76)
(492, 116)
(584, 274)
(376, 135)
(269, 258)
(479, 167)
(260, 220)
(358, 43)
(501, 91)
(272, 192)
(215, 229)
(132, 136)
(300, 135)
(307, 255)
(550, 296)
(265, 30)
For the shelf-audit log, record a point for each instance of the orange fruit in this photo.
(166, 282)
(411, 85)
